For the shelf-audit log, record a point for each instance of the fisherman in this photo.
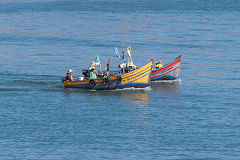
(159, 64)
(69, 75)
(122, 67)
(131, 66)
(93, 73)
(92, 64)
(107, 70)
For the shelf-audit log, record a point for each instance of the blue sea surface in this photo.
(195, 118)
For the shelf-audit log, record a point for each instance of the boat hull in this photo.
(169, 71)
(98, 84)
(139, 78)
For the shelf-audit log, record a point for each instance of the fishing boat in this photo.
(139, 78)
(170, 71)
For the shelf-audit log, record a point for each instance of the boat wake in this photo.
(134, 89)
(167, 81)
(26, 82)
(124, 89)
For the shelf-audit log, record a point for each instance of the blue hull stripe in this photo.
(133, 85)
(163, 77)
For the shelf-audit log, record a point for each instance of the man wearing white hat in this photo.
(69, 75)
(132, 66)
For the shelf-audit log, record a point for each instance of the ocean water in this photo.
(195, 118)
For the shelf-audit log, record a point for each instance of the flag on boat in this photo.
(129, 51)
(116, 52)
(97, 61)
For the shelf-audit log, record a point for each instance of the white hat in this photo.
(131, 64)
(93, 63)
(69, 70)
(123, 65)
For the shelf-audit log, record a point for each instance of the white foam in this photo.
(167, 81)
(125, 89)
(134, 89)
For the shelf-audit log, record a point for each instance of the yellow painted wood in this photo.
(140, 75)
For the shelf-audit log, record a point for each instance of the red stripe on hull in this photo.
(166, 72)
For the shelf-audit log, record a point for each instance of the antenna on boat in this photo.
(108, 64)
(122, 51)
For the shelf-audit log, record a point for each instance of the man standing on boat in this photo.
(93, 73)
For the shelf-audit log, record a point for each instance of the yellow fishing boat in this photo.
(139, 78)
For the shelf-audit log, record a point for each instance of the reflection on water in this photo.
(136, 100)
(169, 92)
(140, 100)
(138, 97)
(171, 87)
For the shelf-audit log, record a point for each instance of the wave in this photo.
(28, 82)
(12, 89)
(129, 6)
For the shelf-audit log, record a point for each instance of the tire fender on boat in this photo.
(119, 78)
(105, 81)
